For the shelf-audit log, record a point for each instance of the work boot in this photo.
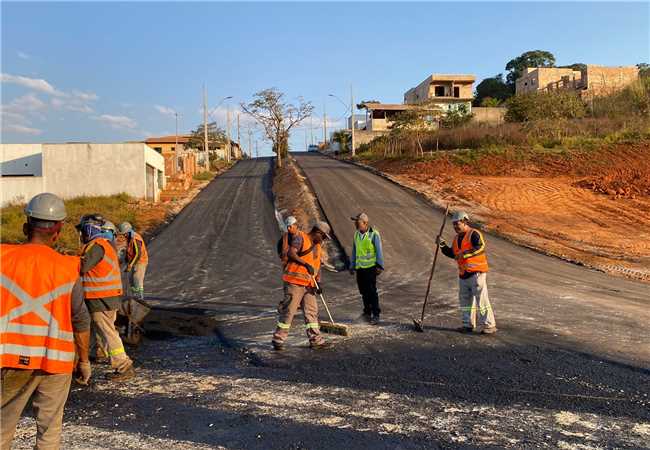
(123, 376)
(278, 346)
(320, 345)
(489, 330)
(374, 320)
(465, 329)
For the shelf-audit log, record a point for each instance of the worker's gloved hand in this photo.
(310, 269)
(441, 242)
(379, 270)
(84, 372)
(351, 271)
(319, 289)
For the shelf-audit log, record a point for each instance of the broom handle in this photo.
(433, 266)
(322, 299)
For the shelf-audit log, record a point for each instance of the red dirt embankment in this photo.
(591, 207)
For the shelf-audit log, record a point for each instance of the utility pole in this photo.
(311, 129)
(228, 135)
(352, 119)
(238, 137)
(205, 127)
(324, 127)
(250, 143)
(306, 145)
(176, 145)
(257, 153)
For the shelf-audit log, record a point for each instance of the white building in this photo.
(77, 169)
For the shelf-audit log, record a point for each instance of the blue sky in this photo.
(114, 71)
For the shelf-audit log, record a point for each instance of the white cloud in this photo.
(21, 129)
(36, 84)
(22, 55)
(85, 96)
(117, 122)
(27, 103)
(165, 110)
(80, 108)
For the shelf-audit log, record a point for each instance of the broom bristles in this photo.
(334, 328)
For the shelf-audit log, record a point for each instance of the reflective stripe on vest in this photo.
(476, 262)
(103, 280)
(36, 330)
(295, 273)
(366, 254)
(131, 249)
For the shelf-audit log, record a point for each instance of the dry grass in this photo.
(116, 208)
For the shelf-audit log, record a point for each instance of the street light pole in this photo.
(176, 145)
(352, 120)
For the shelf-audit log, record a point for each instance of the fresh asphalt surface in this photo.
(570, 339)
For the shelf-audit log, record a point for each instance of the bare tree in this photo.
(277, 118)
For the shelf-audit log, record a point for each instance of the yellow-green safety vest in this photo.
(366, 254)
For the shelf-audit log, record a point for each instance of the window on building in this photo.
(439, 91)
(173, 148)
(158, 149)
(456, 91)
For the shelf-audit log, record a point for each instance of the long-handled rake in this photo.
(419, 323)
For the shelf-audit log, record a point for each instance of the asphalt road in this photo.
(572, 345)
(544, 296)
(218, 254)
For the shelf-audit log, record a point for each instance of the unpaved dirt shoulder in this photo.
(294, 196)
(551, 215)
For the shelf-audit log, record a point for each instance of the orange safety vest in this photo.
(131, 249)
(295, 273)
(475, 263)
(104, 280)
(36, 308)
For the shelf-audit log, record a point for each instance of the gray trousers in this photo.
(474, 301)
(48, 393)
(136, 280)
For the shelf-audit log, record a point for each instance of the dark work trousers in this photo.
(367, 282)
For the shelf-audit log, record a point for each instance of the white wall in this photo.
(76, 169)
(21, 159)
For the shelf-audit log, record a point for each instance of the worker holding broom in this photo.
(468, 249)
(301, 274)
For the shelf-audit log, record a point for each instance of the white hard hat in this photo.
(124, 227)
(459, 216)
(290, 221)
(46, 206)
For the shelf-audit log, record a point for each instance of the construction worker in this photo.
(103, 291)
(291, 224)
(43, 324)
(367, 262)
(137, 259)
(300, 277)
(468, 249)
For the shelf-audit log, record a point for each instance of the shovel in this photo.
(419, 323)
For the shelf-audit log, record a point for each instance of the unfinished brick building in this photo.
(591, 81)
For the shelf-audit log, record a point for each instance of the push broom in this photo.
(419, 323)
(331, 326)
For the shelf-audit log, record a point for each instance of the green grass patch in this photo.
(204, 176)
(116, 208)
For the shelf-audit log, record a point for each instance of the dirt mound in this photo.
(553, 202)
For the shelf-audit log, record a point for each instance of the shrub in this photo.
(634, 100)
(545, 105)
(204, 176)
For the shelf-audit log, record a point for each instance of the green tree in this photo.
(493, 87)
(545, 105)
(644, 69)
(216, 137)
(415, 122)
(456, 117)
(533, 58)
(343, 137)
(490, 102)
(277, 118)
